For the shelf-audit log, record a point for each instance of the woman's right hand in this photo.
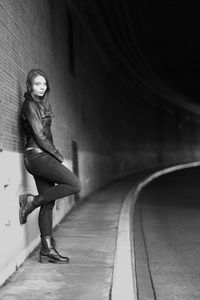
(64, 162)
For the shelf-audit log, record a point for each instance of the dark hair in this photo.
(29, 83)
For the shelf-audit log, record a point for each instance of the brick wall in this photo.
(45, 34)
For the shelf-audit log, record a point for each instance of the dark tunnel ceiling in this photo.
(168, 34)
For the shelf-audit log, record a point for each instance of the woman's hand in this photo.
(64, 162)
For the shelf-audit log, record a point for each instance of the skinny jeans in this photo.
(53, 181)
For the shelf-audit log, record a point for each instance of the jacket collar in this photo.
(47, 109)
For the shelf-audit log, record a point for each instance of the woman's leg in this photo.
(45, 221)
(46, 166)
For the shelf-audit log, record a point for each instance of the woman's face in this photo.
(39, 86)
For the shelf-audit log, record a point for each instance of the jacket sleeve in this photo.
(33, 116)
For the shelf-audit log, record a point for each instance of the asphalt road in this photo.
(167, 237)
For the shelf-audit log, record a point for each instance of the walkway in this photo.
(88, 236)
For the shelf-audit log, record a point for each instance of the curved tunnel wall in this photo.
(154, 123)
(151, 133)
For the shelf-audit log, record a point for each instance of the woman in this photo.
(44, 162)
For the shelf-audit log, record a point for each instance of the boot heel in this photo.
(22, 203)
(27, 205)
(45, 259)
(22, 199)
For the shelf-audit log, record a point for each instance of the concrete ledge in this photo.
(14, 180)
(124, 285)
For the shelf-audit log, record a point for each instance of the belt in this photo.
(34, 149)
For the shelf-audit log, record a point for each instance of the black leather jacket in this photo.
(36, 125)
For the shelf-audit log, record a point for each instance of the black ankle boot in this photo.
(48, 253)
(55, 248)
(28, 203)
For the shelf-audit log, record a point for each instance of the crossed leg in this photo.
(45, 218)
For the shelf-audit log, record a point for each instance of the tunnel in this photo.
(124, 88)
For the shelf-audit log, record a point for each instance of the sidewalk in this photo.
(87, 235)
